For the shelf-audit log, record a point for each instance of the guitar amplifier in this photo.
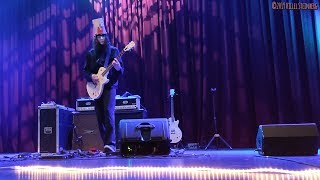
(122, 103)
(86, 134)
(127, 103)
(85, 104)
(54, 128)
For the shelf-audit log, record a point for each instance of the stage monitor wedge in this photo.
(148, 136)
(287, 139)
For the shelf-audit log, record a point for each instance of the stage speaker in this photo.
(287, 139)
(127, 114)
(86, 134)
(144, 137)
(54, 128)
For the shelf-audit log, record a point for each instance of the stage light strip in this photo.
(40, 172)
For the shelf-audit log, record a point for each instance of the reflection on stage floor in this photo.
(180, 164)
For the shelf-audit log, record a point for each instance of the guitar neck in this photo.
(172, 108)
(111, 65)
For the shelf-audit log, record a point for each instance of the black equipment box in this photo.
(54, 128)
(144, 137)
(287, 139)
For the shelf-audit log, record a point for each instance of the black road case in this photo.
(54, 128)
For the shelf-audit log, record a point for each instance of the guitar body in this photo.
(175, 131)
(95, 89)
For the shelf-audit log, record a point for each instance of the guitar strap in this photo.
(107, 59)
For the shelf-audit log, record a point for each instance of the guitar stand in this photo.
(216, 134)
(217, 146)
(177, 145)
(177, 149)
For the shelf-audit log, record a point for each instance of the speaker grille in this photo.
(86, 132)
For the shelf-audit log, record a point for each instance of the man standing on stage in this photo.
(101, 55)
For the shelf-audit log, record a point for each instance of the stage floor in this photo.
(180, 164)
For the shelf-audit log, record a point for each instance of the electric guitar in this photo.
(95, 89)
(175, 131)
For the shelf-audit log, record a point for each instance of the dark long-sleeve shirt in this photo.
(95, 61)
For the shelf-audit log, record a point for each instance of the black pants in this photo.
(104, 107)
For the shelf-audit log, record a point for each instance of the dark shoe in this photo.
(109, 149)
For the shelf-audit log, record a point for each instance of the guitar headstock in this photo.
(172, 92)
(129, 46)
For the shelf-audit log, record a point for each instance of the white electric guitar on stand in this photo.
(95, 89)
(175, 131)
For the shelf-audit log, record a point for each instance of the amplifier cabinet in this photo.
(86, 134)
(54, 128)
